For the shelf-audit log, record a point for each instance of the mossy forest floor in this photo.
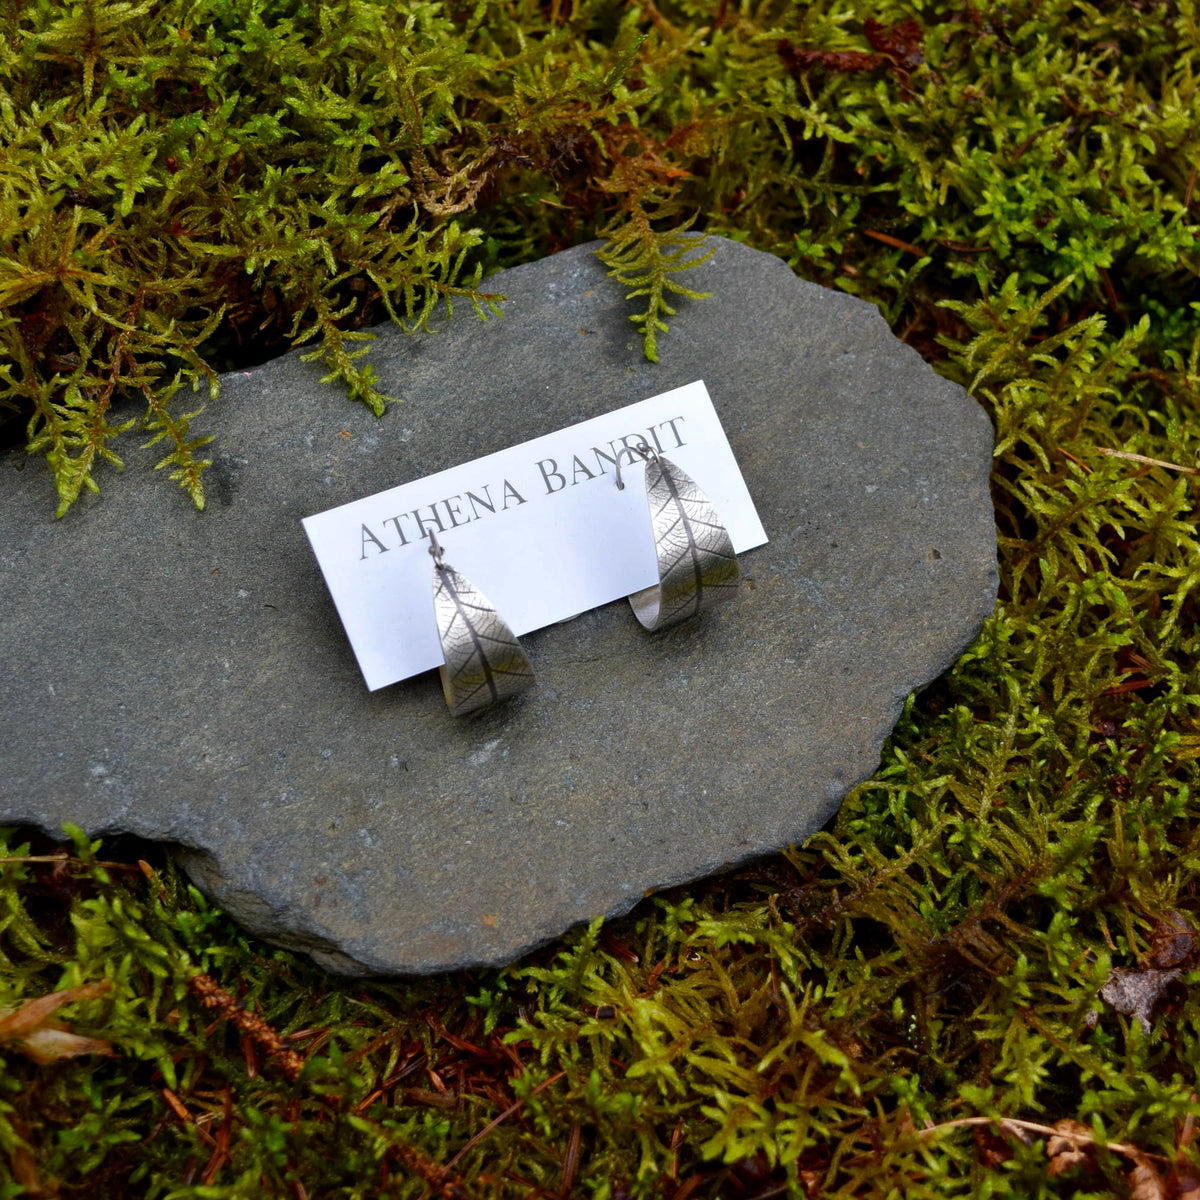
(982, 979)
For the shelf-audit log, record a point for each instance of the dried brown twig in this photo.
(1077, 1137)
(1150, 462)
(212, 995)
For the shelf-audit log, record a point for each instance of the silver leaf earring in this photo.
(484, 661)
(697, 567)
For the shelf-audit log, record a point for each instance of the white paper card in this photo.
(540, 529)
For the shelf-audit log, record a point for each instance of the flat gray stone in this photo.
(184, 676)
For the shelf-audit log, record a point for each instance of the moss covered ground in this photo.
(982, 978)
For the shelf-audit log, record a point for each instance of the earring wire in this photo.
(642, 449)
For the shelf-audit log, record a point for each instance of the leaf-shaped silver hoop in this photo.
(484, 661)
(697, 567)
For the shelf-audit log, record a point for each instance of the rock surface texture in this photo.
(184, 676)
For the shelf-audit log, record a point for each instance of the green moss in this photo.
(1015, 189)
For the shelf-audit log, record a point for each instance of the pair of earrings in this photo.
(697, 569)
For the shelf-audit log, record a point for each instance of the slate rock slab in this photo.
(184, 676)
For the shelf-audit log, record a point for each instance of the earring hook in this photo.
(642, 449)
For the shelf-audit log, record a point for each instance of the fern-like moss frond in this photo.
(646, 262)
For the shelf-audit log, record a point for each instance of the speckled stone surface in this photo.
(183, 676)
